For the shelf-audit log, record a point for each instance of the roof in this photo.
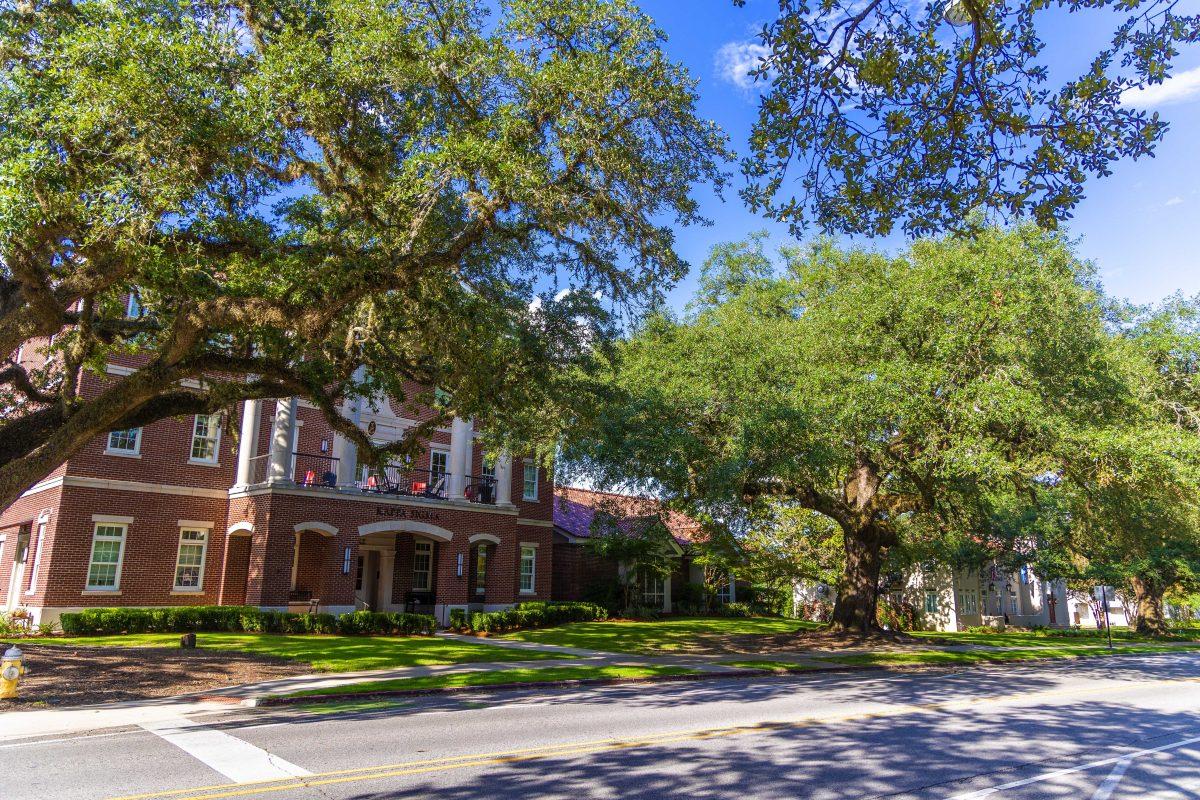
(575, 510)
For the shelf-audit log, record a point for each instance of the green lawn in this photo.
(530, 675)
(678, 635)
(324, 653)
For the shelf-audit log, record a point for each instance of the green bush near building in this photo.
(184, 619)
(527, 615)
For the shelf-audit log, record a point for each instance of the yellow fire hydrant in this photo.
(11, 670)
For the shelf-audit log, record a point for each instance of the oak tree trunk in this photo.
(858, 594)
(1148, 594)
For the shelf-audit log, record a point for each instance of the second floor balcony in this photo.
(324, 472)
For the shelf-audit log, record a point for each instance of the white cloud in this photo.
(735, 60)
(1180, 88)
(1174, 201)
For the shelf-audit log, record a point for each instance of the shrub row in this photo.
(240, 618)
(526, 615)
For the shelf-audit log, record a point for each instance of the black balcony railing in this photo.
(321, 471)
(315, 469)
(398, 479)
(306, 469)
(481, 489)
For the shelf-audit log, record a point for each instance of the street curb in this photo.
(285, 700)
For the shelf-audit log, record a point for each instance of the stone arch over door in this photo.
(406, 526)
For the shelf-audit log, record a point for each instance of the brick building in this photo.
(172, 515)
(577, 573)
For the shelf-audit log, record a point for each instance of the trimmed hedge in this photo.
(177, 619)
(531, 615)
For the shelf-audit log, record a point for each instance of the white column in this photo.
(346, 450)
(248, 442)
(460, 437)
(504, 480)
(283, 433)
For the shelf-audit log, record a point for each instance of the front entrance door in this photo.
(17, 579)
(367, 584)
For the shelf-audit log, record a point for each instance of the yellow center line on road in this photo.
(604, 745)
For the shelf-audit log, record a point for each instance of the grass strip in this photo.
(502, 676)
(770, 666)
(992, 656)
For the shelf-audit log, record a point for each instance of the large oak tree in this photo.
(883, 393)
(294, 190)
(881, 113)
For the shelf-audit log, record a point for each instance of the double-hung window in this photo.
(108, 550)
(529, 488)
(206, 439)
(422, 566)
(125, 443)
(439, 466)
(528, 565)
(931, 602)
(654, 588)
(189, 566)
(725, 592)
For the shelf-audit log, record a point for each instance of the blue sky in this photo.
(1141, 225)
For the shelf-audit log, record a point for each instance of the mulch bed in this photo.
(69, 676)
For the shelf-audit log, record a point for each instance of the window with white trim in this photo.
(206, 438)
(37, 559)
(529, 488)
(725, 592)
(654, 588)
(528, 565)
(968, 602)
(125, 443)
(189, 565)
(931, 602)
(108, 551)
(439, 465)
(422, 566)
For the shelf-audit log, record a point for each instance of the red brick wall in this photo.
(150, 551)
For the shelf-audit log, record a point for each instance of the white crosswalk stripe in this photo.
(237, 760)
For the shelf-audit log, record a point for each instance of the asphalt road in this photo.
(1102, 729)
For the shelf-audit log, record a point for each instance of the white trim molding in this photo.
(113, 519)
(534, 545)
(539, 523)
(125, 486)
(483, 537)
(196, 524)
(323, 528)
(245, 526)
(406, 526)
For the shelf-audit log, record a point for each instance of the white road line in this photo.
(1110, 783)
(237, 760)
(1045, 776)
